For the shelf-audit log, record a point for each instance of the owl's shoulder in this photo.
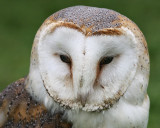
(19, 109)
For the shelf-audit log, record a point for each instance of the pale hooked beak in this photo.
(83, 83)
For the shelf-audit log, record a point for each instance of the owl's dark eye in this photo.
(106, 60)
(65, 59)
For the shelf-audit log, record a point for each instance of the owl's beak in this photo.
(83, 82)
(83, 99)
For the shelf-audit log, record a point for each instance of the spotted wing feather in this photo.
(19, 109)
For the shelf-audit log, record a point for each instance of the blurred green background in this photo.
(20, 19)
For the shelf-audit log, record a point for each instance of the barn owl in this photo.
(89, 68)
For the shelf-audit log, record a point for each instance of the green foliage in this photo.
(20, 19)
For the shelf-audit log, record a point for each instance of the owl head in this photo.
(87, 58)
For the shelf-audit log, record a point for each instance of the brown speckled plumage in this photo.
(90, 17)
(22, 111)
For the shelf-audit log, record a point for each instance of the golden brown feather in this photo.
(21, 110)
